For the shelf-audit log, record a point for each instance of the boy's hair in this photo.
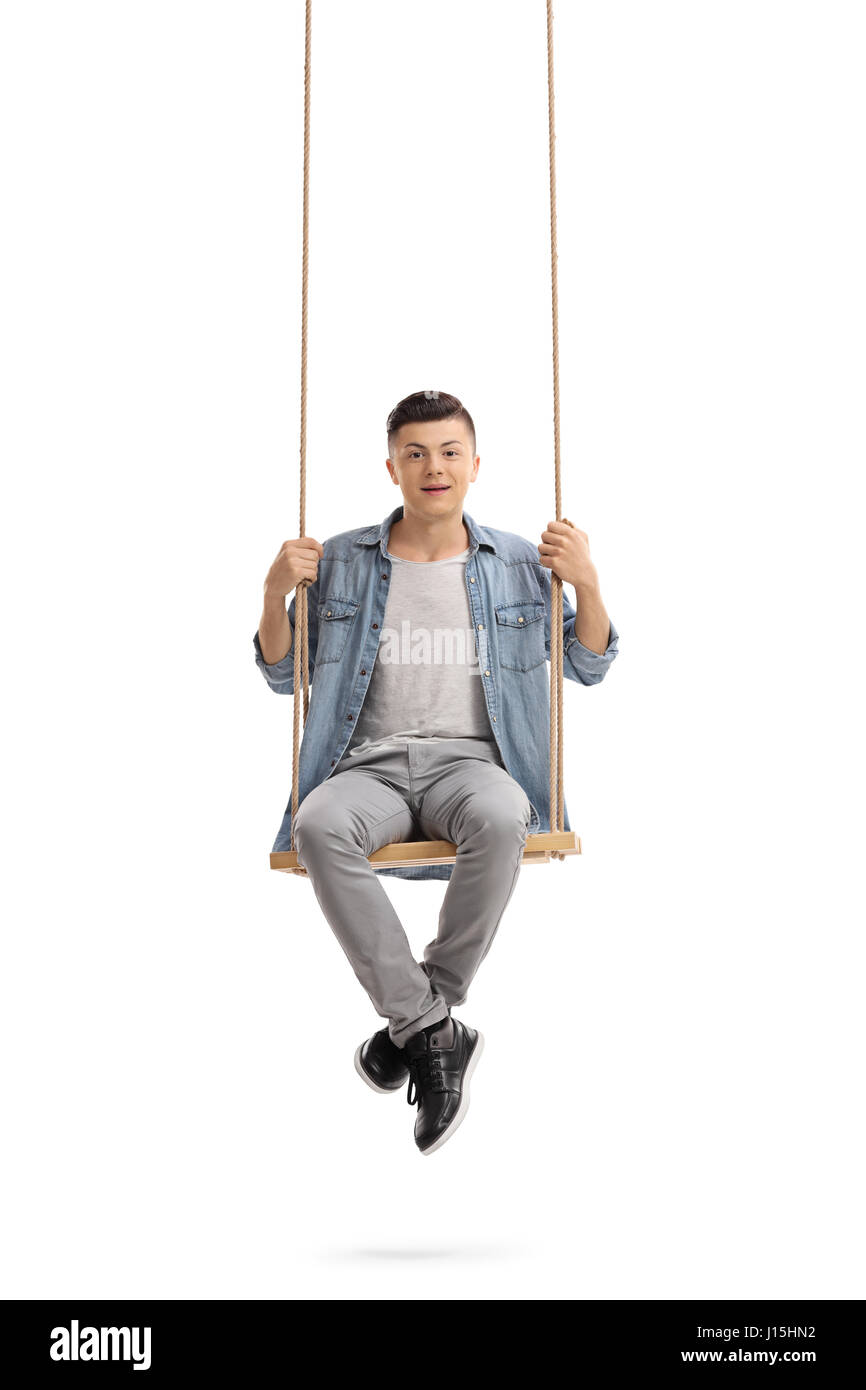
(428, 405)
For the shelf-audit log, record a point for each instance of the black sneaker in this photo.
(439, 1077)
(381, 1063)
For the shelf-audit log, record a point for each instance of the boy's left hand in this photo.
(565, 550)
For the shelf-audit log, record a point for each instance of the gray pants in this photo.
(456, 789)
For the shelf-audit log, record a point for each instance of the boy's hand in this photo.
(297, 561)
(565, 550)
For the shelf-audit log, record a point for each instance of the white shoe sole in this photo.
(380, 1090)
(464, 1101)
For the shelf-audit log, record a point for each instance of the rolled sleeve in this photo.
(590, 667)
(280, 676)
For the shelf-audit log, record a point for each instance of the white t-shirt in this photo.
(426, 681)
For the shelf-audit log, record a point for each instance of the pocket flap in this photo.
(330, 608)
(519, 614)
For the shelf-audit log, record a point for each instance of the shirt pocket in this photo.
(520, 635)
(336, 616)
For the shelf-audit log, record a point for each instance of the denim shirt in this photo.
(509, 593)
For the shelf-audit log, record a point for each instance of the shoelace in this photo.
(425, 1074)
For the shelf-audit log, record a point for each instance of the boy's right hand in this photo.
(297, 560)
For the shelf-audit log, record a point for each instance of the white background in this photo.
(670, 1104)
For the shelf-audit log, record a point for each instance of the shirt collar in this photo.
(377, 535)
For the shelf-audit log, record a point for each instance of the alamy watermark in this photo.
(424, 646)
(76, 1343)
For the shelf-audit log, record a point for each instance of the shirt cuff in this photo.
(280, 672)
(586, 661)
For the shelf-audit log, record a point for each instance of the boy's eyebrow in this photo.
(412, 445)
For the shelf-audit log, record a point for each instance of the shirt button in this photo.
(363, 672)
(472, 579)
(480, 625)
(328, 614)
(375, 624)
(384, 576)
(350, 716)
(520, 620)
(333, 762)
(487, 673)
(494, 718)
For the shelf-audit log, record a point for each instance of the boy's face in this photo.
(433, 465)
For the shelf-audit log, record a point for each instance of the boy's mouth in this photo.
(440, 487)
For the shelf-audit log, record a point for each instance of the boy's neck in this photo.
(412, 539)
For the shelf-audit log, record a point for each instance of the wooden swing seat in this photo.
(537, 850)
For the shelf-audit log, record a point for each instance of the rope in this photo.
(301, 667)
(301, 663)
(556, 724)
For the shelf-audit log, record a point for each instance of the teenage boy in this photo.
(429, 718)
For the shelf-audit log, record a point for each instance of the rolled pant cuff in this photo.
(433, 1015)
